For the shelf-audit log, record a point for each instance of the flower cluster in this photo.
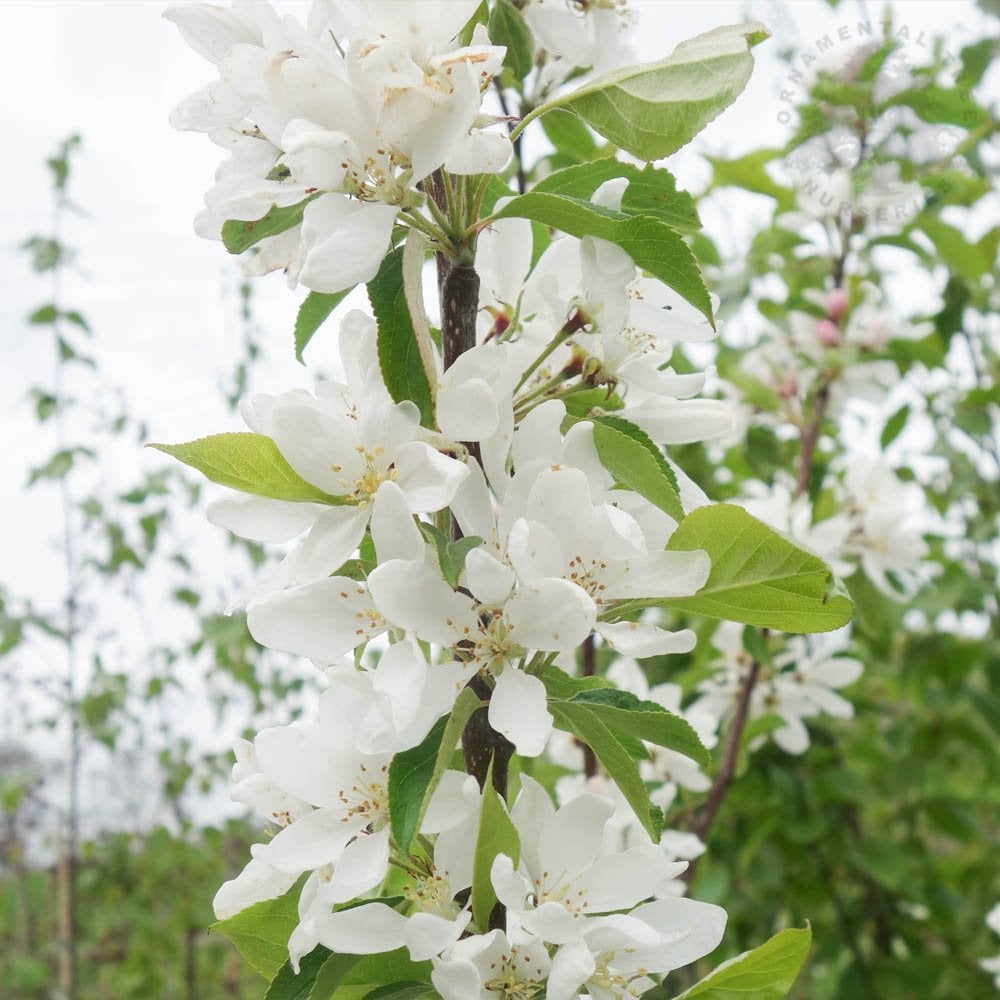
(473, 502)
(342, 122)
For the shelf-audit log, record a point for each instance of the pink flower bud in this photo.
(789, 387)
(836, 303)
(828, 333)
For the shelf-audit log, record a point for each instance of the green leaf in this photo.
(312, 314)
(370, 973)
(940, 105)
(402, 991)
(261, 932)
(451, 555)
(759, 577)
(398, 350)
(956, 251)
(508, 27)
(291, 985)
(646, 720)
(247, 462)
(583, 723)
(497, 835)
(630, 455)
(332, 974)
(651, 191)
(410, 773)
(766, 973)
(894, 425)
(238, 236)
(569, 135)
(561, 686)
(652, 245)
(747, 172)
(652, 110)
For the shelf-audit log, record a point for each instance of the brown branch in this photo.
(727, 769)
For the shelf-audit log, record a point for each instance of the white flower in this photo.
(616, 955)
(800, 684)
(488, 966)
(328, 800)
(563, 880)
(992, 965)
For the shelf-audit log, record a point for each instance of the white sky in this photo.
(111, 71)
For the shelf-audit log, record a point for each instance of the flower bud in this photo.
(828, 333)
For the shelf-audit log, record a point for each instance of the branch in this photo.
(727, 769)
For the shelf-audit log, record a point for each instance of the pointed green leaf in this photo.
(238, 236)
(312, 314)
(630, 455)
(261, 932)
(766, 973)
(497, 835)
(368, 973)
(398, 350)
(415, 774)
(332, 974)
(507, 27)
(652, 110)
(409, 775)
(247, 462)
(623, 711)
(651, 191)
(759, 577)
(451, 555)
(581, 721)
(403, 991)
(652, 245)
(291, 985)
(569, 135)
(562, 686)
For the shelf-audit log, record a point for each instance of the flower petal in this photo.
(361, 930)
(517, 711)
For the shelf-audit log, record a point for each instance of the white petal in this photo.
(467, 410)
(318, 446)
(334, 538)
(414, 597)
(535, 552)
(671, 421)
(661, 574)
(517, 711)
(511, 887)
(428, 935)
(256, 882)
(455, 799)
(428, 479)
(263, 519)
(361, 867)
(640, 639)
(361, 930)
(321, 620)
(344, 241)
(489, 580)
(394, 532)
(531, 812)
(311, 842)
(572, 966)
(553, 615)
(572, 839)
(553, 922)
(690, 930)
(620, 881)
